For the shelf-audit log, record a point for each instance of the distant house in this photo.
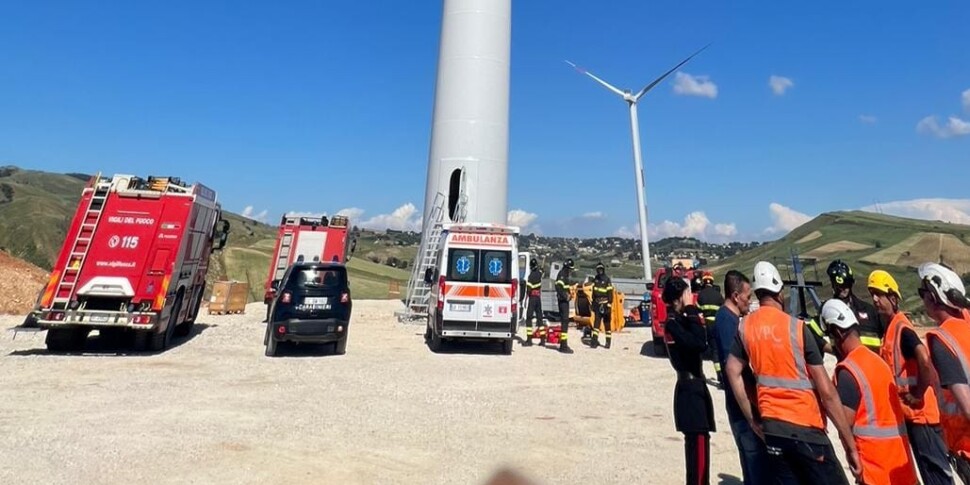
(615, 263)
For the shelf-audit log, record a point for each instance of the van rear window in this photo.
(463, 265)
(478, 266)
(495, 267)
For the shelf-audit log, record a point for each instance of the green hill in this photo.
(867, 242)
(36, 208)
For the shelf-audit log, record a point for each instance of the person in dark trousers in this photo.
(751, 450)
(602, 306)
(709, 300)
(693, 407)
(562, 296)
(871, 326)
(793, 392)
(533, 292)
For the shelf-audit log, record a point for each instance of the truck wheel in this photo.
(659, 347)
(162, 340)
(271, 347)
(435, 343)
(66, 339)
(507, 346)
(185, 329)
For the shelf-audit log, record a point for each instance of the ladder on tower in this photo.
(82, 242)
(417, 300)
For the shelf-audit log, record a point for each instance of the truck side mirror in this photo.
(223, 234)
(429, 276)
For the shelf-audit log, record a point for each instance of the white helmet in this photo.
(836, 313)
(944, 283)
(766, 277)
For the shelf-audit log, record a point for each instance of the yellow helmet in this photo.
(883, 281)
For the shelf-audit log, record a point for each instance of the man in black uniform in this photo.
(709, 300)
(562, 296)
(602, 306)
(871, 327)
(534, 292)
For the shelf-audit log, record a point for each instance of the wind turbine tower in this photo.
(632, 100)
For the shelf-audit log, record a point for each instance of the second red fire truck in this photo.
(134, 262)
(307, 239)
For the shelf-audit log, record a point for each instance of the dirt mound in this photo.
(20, 283)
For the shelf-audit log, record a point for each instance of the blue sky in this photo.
(325, 105)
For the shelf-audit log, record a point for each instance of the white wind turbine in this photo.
(631, 100)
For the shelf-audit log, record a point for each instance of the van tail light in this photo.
(515, 297)
(286, 297)
(344, 298)
(441, 293)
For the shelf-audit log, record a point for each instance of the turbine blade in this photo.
(650, 86)
(604, 83)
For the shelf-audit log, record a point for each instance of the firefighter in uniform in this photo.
(533, 287)
(562, 296)
(945, 299)
(868, 391)
(602, 306)
(871, 328)
(709, 300)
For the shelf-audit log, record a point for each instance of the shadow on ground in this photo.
(304, 350)
(99, 346)
(648, 350)
(725, 479)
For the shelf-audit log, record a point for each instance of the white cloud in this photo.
(696, 225)
(250, 213)
(780, 84)
(597, 215)
(956, 211)
(352, 213)
(689, 85)
(404, 218)
(785, 219)
(525, 221)
(966, 100)
(868, 119)
(726, 230)
(954, 127)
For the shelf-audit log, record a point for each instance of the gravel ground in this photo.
(215, 410)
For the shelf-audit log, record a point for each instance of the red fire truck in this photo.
(307, 238)
(134, 261)
(658, 309)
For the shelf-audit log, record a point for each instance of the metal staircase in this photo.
(82, 242)
(418, 291)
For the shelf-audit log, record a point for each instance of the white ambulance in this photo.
(474, 285)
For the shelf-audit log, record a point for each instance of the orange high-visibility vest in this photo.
(879, 426)
(906, 373)
(775, 345)
(954, 334)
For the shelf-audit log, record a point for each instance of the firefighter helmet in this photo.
(840, 274)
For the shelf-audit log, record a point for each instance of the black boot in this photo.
(594, 341)
(609, 342)
(527, 342)
(564, 348)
